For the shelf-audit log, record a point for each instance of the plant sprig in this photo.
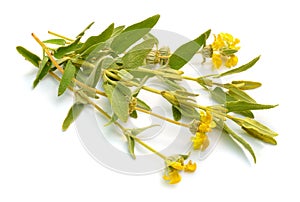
(121, 60)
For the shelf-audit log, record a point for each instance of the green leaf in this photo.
(184, 53)
(221, 97)
(253, 124)
(133, 114)
(140, 73)
(81, 97)
(113, 119)
(135, 57)
(108, 89)
(150, 36)
(229, 51)
(172, 85)
(65, 50)
(61, 42)
(258, 130)
(66, 78)
(72, 115)
(106, 34)
(118, 30)
(240, 140)
(120, 102)
(34, 59)
(143, 105)
(44, 68)
(82, 33)
(240, 69)
(125, 75)
(136, 131)
(240, 95)
(246, 85)
(176, 113)
(238, 106)
(95, 47)
(132, 34)
(188, 112)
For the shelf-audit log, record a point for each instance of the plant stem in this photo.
(189, 78)
(60, 36)
(149, 148)
(162, 117)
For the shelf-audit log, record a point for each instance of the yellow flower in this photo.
(231, 61)
(218, 42)
(223, 49)
(173, 177)
(200, 140)
(190, 167)
(217, 60)
(177, 165)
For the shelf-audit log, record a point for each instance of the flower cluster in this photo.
(222, 50)
(200, 139)
(174, 167)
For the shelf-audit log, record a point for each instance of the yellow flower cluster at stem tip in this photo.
(200, 140)
(174, 167)
(224, 47)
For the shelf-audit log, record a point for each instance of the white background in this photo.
(40, 163)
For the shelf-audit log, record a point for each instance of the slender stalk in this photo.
(60, 36)
(189, 78)
(149, 148)
(162, 117)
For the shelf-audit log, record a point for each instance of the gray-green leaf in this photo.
(135, 57)
(66, 78)
(120, 102)
(136, 131)
(184, 53)
(239, 139)
(132, 34)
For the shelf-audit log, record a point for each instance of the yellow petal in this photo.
(190, 167)
(217, 60)
(231, 61)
